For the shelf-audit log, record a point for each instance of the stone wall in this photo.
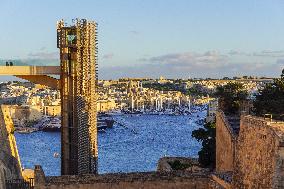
(9, 158)
(164, 166)
(9, 168)
(225, 144)
(8, 137)
(151, 180)
(260, 154)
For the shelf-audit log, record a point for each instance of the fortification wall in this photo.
(225, 145)
(151, 180)
(9, 158)
(8, 129)
(260, 155)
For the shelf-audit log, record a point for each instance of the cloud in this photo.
(272, 52)
(148, 70)
(190, 59)
(134, 32)
(280, 62)
(108, 56)
(264, 53)
(42, 49)
(269, 54)
(235, 52)
(182, 65)
(44, 55)
(142, 59)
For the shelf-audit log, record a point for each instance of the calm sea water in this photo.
(135, 146)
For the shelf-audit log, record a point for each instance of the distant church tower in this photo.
(78, 59)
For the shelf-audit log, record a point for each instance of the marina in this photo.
(135, 143)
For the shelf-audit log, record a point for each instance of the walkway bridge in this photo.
(34, 74)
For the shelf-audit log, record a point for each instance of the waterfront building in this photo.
(52, 110)
(106, 105)
(211, 111)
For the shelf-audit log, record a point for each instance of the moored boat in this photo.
(104, 121)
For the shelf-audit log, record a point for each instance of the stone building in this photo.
(52, 110)
(106, 105)
(212, 110)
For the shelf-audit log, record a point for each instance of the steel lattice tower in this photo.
(78, 62)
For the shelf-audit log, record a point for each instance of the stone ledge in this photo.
(125, 177)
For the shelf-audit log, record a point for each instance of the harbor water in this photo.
(135, 143)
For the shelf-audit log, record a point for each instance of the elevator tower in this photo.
(78, 62)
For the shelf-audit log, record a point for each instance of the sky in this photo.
(152, 38)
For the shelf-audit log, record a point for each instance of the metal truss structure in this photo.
(78, 62)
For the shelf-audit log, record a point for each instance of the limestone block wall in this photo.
(8, 133)
(9, 168)
(225, 145)
(278, 180)
(145, 180)
(9, 158)
(260, 155)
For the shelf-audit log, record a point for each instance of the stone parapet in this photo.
(138, 180)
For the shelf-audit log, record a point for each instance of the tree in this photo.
(230, 97)
(270, 99)
(206, 135)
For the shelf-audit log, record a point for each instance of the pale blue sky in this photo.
(138, 38)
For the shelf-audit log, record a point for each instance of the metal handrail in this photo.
(20, 184)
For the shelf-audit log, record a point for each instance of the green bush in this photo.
(270, 100)
(230, 97)
(177, 165)
(206, 135)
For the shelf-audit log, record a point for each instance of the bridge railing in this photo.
(20, 184)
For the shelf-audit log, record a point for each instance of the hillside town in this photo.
(35, 104)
